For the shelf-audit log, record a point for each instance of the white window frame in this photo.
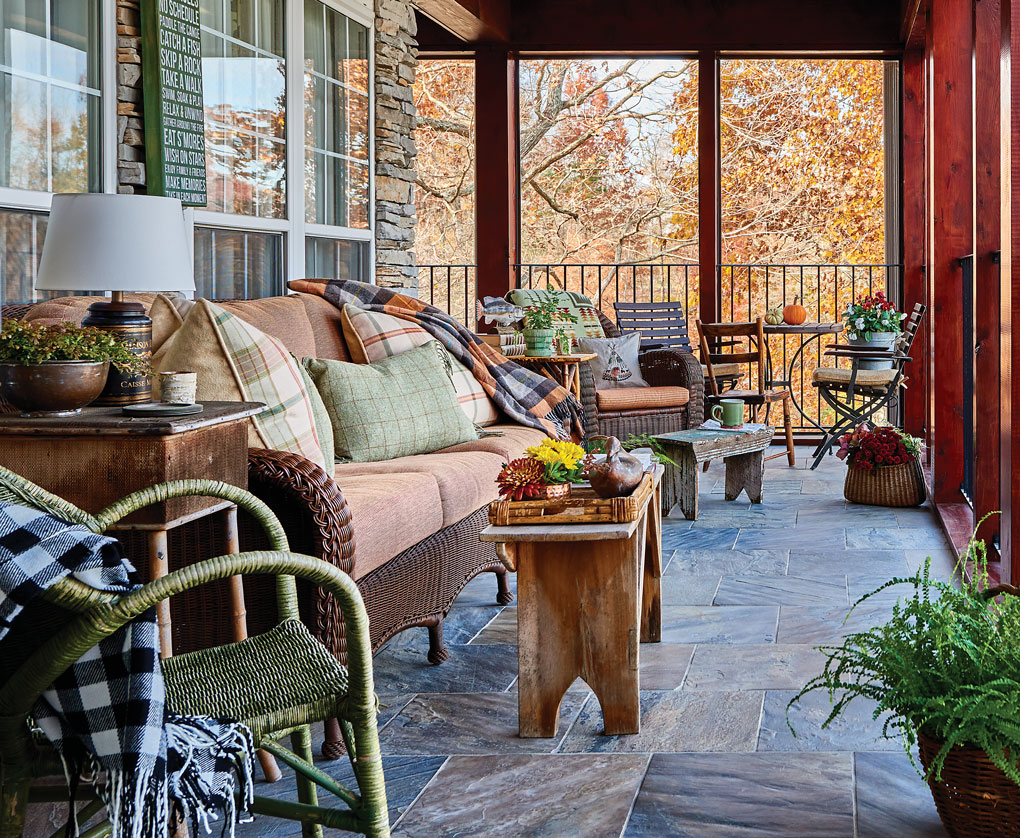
(293, 226)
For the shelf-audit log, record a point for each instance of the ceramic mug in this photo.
(178, 387)
(730, 413)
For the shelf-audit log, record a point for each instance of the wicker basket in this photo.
(974, 799)
(899, 485)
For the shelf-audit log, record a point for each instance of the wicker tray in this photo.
(582, 507)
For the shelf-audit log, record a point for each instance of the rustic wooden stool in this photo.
(743, 451)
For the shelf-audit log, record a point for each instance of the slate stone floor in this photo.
(749, 591)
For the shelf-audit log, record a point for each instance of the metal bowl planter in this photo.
(882, 341)
(53, 388)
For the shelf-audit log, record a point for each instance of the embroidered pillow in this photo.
(588, 323)
(372, 336)
(399, 406)
(616, 362)
(237, 362)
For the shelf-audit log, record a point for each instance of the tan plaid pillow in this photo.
(372, 336)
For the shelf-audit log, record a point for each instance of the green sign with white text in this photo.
(172, 87)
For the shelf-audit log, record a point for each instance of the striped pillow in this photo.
(372, 336)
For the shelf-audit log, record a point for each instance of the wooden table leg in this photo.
(746, 472)
(687, 488)
(651, 589)
(578, 616)
(159, 566)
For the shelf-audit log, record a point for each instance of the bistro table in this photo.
(809, 333)
(563, 369)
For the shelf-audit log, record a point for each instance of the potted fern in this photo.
(946, 668)
(539, 320)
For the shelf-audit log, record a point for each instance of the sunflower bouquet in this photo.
(551, 463)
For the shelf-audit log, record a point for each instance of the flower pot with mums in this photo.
(873, 322)
(545, 474)
(883, 467)
(539, 322)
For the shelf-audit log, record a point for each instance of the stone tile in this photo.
(389, 706)
(853, 730)
(482, 590)
(753, 667)
(707, 538)
(892, 799)
(773, 486)
(781, 590)
(754, 516)
(834, 508)
(916, 516)
(859, 585)
(502, 629)
(824, 563)
(534, 796)
(711, 624)
(745, 796)
(663, 665)
(824, 625)
(688, 589)
(459, 626)
(478, 723)
(675, 721)
(831, 535)
(729, 562)
(890, 538)
(943, 561)
(468, 669)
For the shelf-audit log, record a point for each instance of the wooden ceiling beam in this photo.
(912, 26)
(470, 20)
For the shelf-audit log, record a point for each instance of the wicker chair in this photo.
(277, 683)
(665, 366)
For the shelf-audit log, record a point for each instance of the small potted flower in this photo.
(545, 474)
(883, 467)
(873, 322)
(539, 320)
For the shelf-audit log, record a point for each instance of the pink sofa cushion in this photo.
(509, 446)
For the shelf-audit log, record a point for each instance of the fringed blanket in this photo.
(106, 715)
(527, 397)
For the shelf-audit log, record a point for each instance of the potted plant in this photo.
(538, 326)
(545, 474)
(58, 370)
(883, 467)
(873, 322)
(946, 670)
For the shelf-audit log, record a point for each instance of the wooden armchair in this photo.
(277, 683)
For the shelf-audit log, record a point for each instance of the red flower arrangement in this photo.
(866, 448)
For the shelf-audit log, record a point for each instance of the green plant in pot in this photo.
(945, 668)
(873, 322)
(538, 326)
(58, 370)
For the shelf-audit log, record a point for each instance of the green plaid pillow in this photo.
(402, 405)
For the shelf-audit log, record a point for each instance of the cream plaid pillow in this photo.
(372, 336)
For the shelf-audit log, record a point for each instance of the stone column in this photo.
(130, 135)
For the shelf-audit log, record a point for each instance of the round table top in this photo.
(803, 329)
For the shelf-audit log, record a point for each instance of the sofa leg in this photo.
(437, 649)
(333, 744)
(504, 595)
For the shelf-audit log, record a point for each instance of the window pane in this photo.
(69, 128)
(357, 56)
(357, 194)
(336, 259)
(358, 119)
(325, 190)
(237, 264)
(21, 243)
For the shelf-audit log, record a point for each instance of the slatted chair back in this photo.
(732, 343)
(910, 327)
(661, 325)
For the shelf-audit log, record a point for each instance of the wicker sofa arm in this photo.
(677, 368)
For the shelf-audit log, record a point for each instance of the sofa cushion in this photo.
(283, 318)
(237, 362)
(509, 445)
(466, 479)
(397, 407)
(390, 511)
(373, 335)
(324, 318)
(641, 398)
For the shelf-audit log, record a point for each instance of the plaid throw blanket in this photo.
(527, 397)
(106, 714)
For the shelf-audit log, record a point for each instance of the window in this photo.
(51, 129)
(236, 264)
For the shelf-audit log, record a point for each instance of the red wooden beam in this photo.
(496, 170)
(914, 286)
(986, 267)
(952, 205)
(470, 20)
(709, 176)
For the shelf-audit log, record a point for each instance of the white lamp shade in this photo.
(100, 242)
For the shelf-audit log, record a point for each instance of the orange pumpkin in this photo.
(795, 314)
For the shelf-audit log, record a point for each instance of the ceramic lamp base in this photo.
(132, 325)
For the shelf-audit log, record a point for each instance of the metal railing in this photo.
(743, 291)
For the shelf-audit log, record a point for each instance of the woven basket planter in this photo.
(975, 799)
(899, 485)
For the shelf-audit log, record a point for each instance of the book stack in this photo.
(511, 345)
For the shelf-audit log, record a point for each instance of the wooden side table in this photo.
(100, 455)
(586, 594)
(563, 369)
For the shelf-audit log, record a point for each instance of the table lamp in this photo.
(117, 243)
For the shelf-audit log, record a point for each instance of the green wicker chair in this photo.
(277, 683)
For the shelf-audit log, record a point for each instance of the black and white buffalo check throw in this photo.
(106, 715)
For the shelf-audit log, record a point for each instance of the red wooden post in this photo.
(914, 287)
(709, 174)
(986, 267)
(497, 245)
(952, 207)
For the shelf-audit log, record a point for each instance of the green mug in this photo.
(730, 413)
